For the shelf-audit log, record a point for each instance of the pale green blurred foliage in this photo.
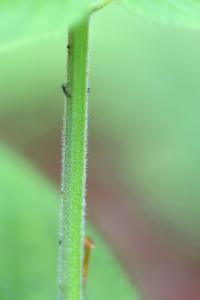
(27, 20)
(148, 95)
(177, 12)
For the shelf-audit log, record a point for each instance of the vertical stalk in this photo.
(74, 164)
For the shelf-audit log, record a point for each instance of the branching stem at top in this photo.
(100, 5)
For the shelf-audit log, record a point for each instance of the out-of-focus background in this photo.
(144, 165)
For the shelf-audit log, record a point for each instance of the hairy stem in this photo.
(74, 164)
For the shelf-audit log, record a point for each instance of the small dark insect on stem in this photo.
(65, 91)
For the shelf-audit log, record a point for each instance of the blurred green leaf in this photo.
(21, 20)
(28, 239)
(180, 12)
(28, 231)
(106, 279)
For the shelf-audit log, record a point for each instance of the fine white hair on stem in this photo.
(74, 165)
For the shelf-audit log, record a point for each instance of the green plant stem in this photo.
(74, 164)
(98, 6)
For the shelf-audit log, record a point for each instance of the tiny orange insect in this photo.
(88, 246)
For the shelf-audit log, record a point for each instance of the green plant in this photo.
(75, 153)
(28, 237)
(75, 142)
(74, 164)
